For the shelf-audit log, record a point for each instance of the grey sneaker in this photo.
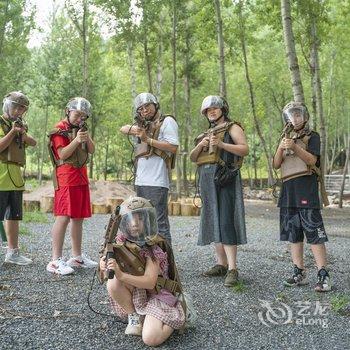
(323, 281)
(298, 279)
(134, 326)
(231, 278)
(14, 257)
(217, 270)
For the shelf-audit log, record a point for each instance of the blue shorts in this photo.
(295, 223)
(11, 205)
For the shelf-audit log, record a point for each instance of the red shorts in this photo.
(73, 201)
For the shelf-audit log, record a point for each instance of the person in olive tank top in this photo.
(13, 141)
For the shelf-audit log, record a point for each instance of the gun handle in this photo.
(109, 274)
(212, 148)
(287, 136)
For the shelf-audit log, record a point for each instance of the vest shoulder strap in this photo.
(163, 116)
(58, 131)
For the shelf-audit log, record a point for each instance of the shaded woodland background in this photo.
(182, 51)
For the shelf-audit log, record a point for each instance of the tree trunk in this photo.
(318, 93)
(159, 68)
(106, 158)
(252, 96)
(292, 58)
(173, 46)
(187, 128)
(130, 49)
(85, 48)
(223, 91)
(43, 146)
(341, 192)
(148, 65)
(3, 28)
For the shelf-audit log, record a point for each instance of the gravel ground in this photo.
(41, 311)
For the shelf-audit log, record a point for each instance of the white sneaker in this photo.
(82, 261)
(134, 326)
(14, 257)
(59, 267)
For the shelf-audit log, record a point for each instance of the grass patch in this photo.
(24, 230)
(340, 302)
(35, 216)
(239, 287)
(281, 297)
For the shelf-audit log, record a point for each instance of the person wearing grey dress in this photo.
(222, 215)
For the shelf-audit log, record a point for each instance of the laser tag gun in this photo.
(19, 123)
(214, 129)
(141, 123)
(2, 232)
(286, 134)
(83, 127)
(107, 249)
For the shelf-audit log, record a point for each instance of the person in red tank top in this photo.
(72, 197)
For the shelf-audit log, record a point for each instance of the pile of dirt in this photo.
(100, 191)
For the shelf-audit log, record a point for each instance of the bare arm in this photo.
(237, 134)
(129, 129)
(67, 151)
(304, 155)
(7, 139)
(29, 140)
(141, 133)
(198, 149)
(90, 145)
(147, 281)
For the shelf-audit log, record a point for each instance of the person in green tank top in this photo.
(13, 141)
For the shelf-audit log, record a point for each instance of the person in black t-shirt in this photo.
(299, 203)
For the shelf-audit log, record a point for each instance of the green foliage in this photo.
(24, 230)
(34, 216)
(239, 287)
(141, 32)
(340, 302)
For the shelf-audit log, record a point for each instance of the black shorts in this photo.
(297, 222)
(11, 205)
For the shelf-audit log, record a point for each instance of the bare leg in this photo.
(12, 230)
(319, 252)
(155, 332)
(220, 254)
(122, 294)
(297, 252)
(76, 231)
(231, 254)
(58, 232)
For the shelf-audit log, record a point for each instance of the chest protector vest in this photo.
(79, 157)
(130, 261)
(15, 152)
(292, 166)
(208, 155)
(142, 149)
